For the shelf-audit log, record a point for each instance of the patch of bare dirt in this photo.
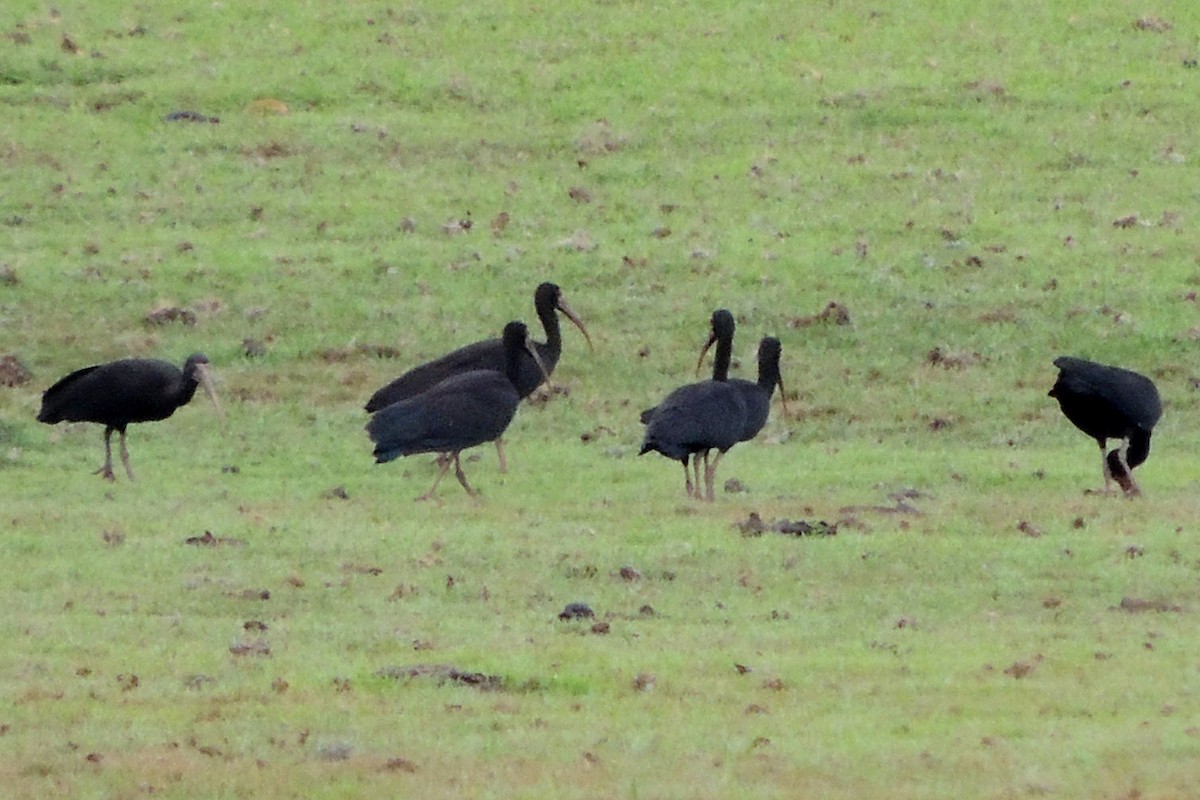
(1152, 24)
(250, 647)
(253, 348)
(576, 611)
(165, 315)
(190, 116)
(1029, 529)
(597, 139)
(1137, 605)
(834, 313)
(334, 355)
(1020, 669)
(952, 360)
(362, 569)
(544, 393)
(250, 594)
(596, 433)
(754, 525)
(999, 316)
(13, 372)
(267, 106)
(443, 674)
(209, 540)
(900, 500)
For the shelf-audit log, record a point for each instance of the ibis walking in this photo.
(697, 418)
(462, 411)
(490, 354)
(122, 392)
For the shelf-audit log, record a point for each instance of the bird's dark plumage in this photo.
(758, 394)
(1110, 403)
(461, 411)
(122, 392)
(489, 354)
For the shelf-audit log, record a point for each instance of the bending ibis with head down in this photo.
(489, 354)
(462, 411)
(699, 417)
(1110, 403)
(123, 392)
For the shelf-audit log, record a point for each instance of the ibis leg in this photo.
(1104, 470)
(500, 455)
(1128, 484)
(125, 456)
(106, 470)
(462, 477)
(443, 465)
(710, 473)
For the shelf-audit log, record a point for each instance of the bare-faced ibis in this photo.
(463, 410)
(122, 392)
(489, 354)
(699, 417)
(1110, 403)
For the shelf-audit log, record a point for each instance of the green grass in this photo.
(998, 183)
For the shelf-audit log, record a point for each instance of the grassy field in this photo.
(980, 187)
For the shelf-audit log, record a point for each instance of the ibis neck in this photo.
(768, 376)
(512, 362)
(549, 319)
(722, 358)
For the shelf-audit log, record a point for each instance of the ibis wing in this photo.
(57, 399)
(487, 354)
(460, 412)
(695, 417)
(1129, 394)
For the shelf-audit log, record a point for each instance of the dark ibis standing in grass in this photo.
(122, 392)
(700, 417)
(461, 411)
(489, 354)
(1110, 403)
(756, 394)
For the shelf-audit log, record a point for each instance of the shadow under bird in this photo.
(462, 411)
(697, 418)
(1110, 403)
(122, 392)
(489, 354)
